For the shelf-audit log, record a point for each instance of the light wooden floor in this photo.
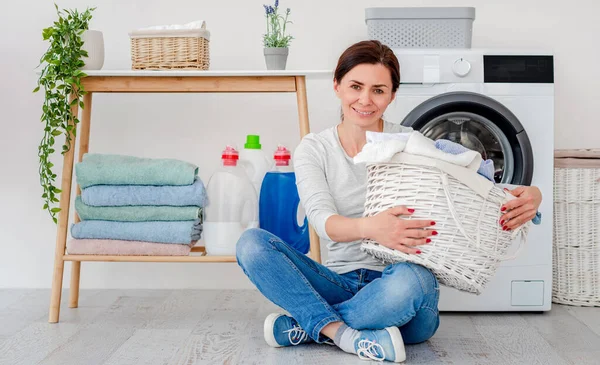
(225, 327)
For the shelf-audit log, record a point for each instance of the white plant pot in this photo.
(93, 43)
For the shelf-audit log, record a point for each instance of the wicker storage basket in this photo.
(170, 49)
(466, 208)
(576, 251)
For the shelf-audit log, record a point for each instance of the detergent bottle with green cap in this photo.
(254, 161)
(280, 211)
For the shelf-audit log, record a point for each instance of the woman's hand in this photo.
(522, 209)
(393, 232)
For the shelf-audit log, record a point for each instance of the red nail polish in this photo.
(505, 228)
(418, 251)
(502, 209)
(433, 223)
(428, 240)
(502, 222)
(434, 233)
(411, 210)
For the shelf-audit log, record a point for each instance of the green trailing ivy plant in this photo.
(60, 78)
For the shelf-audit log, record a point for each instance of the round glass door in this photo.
(477, 133)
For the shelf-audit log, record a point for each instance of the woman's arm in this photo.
(386, 228)
(312, 185)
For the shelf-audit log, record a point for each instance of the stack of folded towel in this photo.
(136, 206)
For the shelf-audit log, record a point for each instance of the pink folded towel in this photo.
(119, 247)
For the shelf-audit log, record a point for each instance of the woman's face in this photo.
(365, 92)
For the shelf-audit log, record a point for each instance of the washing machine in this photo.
(500, 103)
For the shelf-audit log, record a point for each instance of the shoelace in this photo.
(368, 349)
(296, 335)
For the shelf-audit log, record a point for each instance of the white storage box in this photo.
(421, 27)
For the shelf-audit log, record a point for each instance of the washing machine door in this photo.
(482, 124)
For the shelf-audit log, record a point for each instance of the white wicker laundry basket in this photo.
(471, 243)
(576, 251)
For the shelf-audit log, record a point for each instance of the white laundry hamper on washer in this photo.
(471, 243)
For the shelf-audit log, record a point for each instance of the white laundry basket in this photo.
(576, 251)
(415, 27)
(466, 208)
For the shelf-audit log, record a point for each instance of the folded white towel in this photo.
(197, 24)
(374, 137)
(381, 147)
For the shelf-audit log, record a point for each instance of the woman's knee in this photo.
(416, 276)
(250, 245)
(422, 328)
(408, 284)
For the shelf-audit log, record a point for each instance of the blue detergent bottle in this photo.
(279, 204)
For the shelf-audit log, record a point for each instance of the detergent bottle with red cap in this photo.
(280, 211)
(232, 206)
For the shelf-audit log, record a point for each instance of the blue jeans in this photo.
(404, 295)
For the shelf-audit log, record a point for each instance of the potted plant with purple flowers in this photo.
(275, 41)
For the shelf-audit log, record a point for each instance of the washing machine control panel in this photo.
(470, 66)
(444, 67)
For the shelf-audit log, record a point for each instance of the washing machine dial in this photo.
(461, 67)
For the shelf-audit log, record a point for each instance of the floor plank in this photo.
(519, 345)
(565, 333)
(96, 341)
(188, 327)
(149, 347)
(216, 338)
(588, 316)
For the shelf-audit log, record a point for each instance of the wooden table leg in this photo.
(315, 243)
(84, 147)
(63, 222)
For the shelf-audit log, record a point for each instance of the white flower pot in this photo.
(276, 58)
(93, 43)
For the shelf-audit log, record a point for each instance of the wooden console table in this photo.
(129, 81)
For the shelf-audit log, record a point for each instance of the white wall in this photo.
(196, 127)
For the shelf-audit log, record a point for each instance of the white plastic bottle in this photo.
(232, 206)
(255, 161)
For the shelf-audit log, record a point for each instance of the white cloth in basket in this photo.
(381, 147)
(193, 29)
(197, 24)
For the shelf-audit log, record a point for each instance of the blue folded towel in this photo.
(127, 195)
(104, 169)
(486, 168)
(182, 232)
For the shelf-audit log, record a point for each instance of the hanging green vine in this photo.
(61, 80)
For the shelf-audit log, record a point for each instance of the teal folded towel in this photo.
(120, 195)
(136, 213)
(181, 232)
(104, 169)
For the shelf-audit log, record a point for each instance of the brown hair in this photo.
(372, 52)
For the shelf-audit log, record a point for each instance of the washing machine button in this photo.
(461, 67)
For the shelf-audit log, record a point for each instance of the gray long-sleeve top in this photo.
(329, 183)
